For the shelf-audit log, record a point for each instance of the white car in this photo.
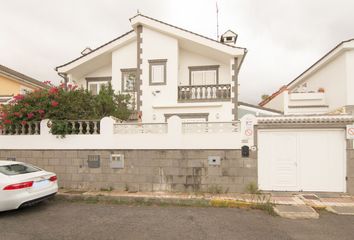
(22, 185)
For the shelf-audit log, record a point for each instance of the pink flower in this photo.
(40, 111)
(23, 122)
(53, 90)
(19, 97)
(54, 103)
(47, 82)
(17, 114)
(30, 115)
(7, 121)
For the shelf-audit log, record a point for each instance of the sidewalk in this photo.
(289, 205)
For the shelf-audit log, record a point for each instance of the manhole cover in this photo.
(310, 197)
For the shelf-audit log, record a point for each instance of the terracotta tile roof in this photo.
(19, 76)
(259, 107)
(268, 99)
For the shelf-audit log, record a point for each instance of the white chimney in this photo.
(229, 37)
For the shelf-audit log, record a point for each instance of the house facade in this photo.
(13, 83)
(325, 87)
(166, 70)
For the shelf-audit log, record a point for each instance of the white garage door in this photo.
(302, 160)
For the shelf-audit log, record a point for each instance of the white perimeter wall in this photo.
(173, 139)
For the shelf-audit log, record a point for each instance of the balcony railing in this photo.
(200, 93)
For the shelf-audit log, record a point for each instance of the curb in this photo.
(165, 201)
(311, 214)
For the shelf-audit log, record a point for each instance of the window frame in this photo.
(202, 69)
(157, 62)
(98, 81)
(127, 71)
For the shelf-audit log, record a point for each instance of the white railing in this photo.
(113, 135)
(85, 127)
(197, 93)
(30, 128)
(135, 128)
(210, 127)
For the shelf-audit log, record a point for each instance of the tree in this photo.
(59, 105)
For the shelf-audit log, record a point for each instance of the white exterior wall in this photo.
(155, 105)
(331, 77)
(350, 77)
(124, 57)
(105, 71)
(158, 46)
(188, 58)
(276, 103)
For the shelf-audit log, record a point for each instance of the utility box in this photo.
(93, 161)
(117, 161)
(214, 160)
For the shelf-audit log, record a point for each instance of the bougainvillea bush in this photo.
(59, 104)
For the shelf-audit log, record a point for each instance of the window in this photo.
(95, 84)
(16, 169)
(157, 74)
(128, 79)
(204, 75)
(95, 87)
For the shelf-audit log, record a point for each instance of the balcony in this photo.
(204, 93)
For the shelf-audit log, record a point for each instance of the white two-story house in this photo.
(167, 70)
(325, 87)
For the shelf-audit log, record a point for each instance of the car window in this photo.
(16, 169)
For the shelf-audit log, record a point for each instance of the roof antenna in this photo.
(217, 21)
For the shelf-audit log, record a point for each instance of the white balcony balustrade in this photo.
(199, 93)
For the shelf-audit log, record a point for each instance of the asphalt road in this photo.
(63, 220)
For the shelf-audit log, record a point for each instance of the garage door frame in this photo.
(338, 122)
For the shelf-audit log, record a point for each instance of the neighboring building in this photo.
(246, 108)
(325, 87)
(167, 70)
(13, 83)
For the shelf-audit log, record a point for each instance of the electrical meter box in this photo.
(214, 160)
(117, 161)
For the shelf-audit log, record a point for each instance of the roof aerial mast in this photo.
(217, 21)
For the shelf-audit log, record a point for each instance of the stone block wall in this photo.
(350, 171)
(146, 170)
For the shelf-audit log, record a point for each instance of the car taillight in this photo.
(53, 178)
(19, 186)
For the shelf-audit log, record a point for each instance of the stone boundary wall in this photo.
(146, 170)
(350, 170)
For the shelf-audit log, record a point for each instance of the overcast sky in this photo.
(283, 37)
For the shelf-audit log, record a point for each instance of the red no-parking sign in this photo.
(350, 131)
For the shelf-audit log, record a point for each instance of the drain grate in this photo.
(310, 197)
